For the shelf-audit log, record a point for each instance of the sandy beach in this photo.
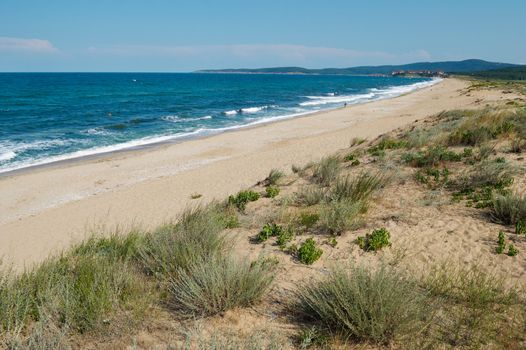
(46, 209)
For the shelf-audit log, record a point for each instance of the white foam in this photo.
(230, 113)
(7, 155)
(251, 110)
(371, 95)
(177, 119)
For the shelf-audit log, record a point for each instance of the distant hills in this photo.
(509, 73)
(466, 66)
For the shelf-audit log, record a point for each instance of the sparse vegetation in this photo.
(327, 170)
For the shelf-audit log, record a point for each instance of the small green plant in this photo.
(509, 209)
(520, 228)
(196, 195)
(512, 251)
(269, 230)
(308, 252)
(242, 198)
(284, 237)
(501, 243)
(312, 337)
(431, 157)
(374, 241)
(332, 242)
(272, 191)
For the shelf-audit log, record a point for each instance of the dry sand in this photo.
(44, 210)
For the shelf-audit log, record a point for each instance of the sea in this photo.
(50, 117)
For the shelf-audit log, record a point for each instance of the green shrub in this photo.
(327, 170)
(386, 143)
(219, 284)
(272, 191)
(242, 198)
(378, 239)
(501, 243)
(337, 217)
(509, 209)
(372, 305)
(359, 188)
(433, 177)
(310, 195)
(195, 237)
(308, 253)
(512, 251)
(269, 230)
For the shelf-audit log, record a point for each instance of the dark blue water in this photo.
(46, 117)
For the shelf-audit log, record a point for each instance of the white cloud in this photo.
(8, 44)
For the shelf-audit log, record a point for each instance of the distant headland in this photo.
(413, 69)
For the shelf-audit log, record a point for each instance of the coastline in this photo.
(202, 132)
(50, 207)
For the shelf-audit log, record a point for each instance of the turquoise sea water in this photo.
(46, 117)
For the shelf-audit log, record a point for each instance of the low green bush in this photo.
(242, 198)
(509, 209)
(512, 251)
(308, 252)
(272, 191)
(337, 217)
(366, 304)
(194, 237)
(219, 284)
(374, 241)
(270, 230)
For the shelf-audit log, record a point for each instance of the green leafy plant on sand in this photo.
(512, 251)
(242, 198)
(272, 191)
(374, 241)
(308, 252)
(269, 230)
(284, 237)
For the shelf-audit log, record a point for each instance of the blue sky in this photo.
(171, 36)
